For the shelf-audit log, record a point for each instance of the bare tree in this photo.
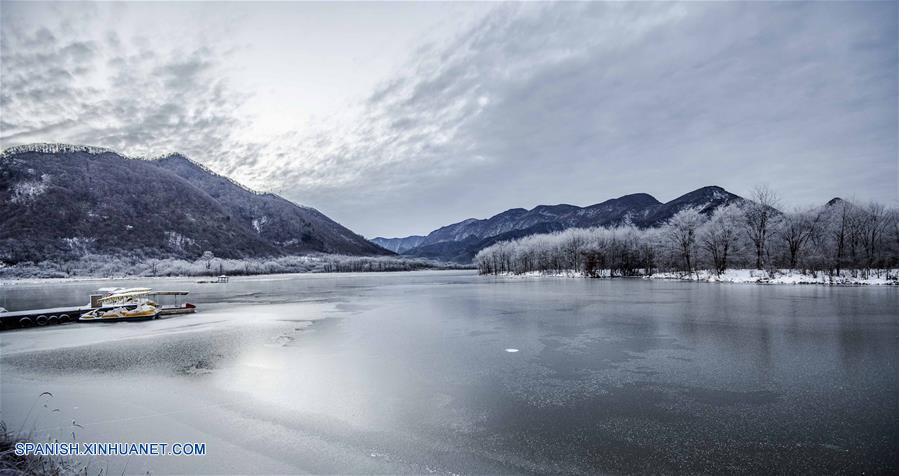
(573, 250)
(681, 231)
(838, 224)
(757, 216)
(894, 219)
(207, 258)
(874, 223)
(720, 235)
(796, 229)
(855, 223)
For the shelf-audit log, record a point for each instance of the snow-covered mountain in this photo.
(59, 201)
(461, 241)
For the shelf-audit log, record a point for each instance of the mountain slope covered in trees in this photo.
(460, 242)
(60, 202)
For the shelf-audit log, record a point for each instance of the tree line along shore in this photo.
(840, 242)
(106, 266)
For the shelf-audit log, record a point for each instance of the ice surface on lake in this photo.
(317, 373)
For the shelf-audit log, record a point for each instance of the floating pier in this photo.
(62, 315)
(41, 317)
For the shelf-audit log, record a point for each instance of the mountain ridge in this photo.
(95, 200)
(460, 241)
(398, 245)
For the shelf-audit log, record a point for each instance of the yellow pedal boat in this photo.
(143, 312)
(132, 305)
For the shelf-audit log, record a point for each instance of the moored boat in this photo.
(110, 304)
(169, 302)
(128, 305)
(142, 312)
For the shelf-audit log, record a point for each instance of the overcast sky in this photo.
(398, 118)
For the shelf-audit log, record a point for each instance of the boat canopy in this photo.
(139, 292)
(123, 295)
(132, 290)
(121, 290)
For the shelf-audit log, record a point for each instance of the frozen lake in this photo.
(418, 372)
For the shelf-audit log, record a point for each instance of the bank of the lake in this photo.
(123, 267)
(885, 277)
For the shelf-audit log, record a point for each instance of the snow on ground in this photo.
(786, 276)
(27, 190)
(76, 279)
(783, 276)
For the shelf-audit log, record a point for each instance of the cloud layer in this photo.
(62, 85)
(532, 103)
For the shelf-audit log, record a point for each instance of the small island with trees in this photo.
(747, 241)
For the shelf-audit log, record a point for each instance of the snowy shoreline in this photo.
(748, 276)
(103, 267)
(255, 277)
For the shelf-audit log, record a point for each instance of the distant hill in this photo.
(464, 251)
(398, 245)
(60, 201)
(461, 241)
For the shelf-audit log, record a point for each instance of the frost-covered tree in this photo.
(207, 258)
(874, 224)
(837, 218)
(796, 229)
(819, 239)
(720, 236)
(681, 231)
(758, 214)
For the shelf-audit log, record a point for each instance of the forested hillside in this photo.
(60, 202)
(291, 228)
